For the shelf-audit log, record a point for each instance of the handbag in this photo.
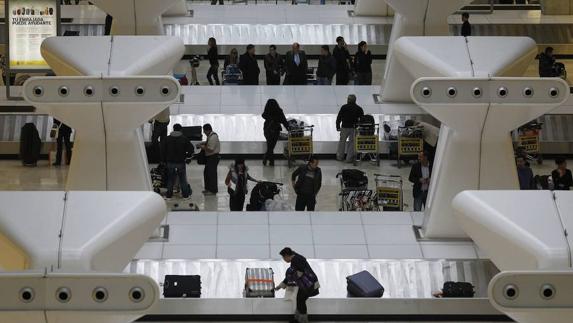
(201, 157)
(54, 132)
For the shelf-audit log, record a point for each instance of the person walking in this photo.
(306, 181)
(326, 67)
(274, 118)
(363, 64)
(213, 56)
(301, 274)
(249, 66)
(176, 149)
(296, 66)
(211, 148)
(346, 120)
(342, 57)
(236, 181)
(273, 66)
(420, 175)
(63, 139)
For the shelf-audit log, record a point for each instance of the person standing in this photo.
(274, 117)
(211, 148)
(342, 57)
(159, 132)
(249, 66)
(236, 181)
(420, 175)
(213, 56)
(273, 66)
(301, 274)
(363, 64)
(296, 66)
(63, 138)
(176, 148)
(346, 120)
(524, 174)
(562, 179)
(326, 66)
(547, 63)
(307, 180)
(466, 26)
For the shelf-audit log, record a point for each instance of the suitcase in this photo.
(30, 145)
(176, 286)
(354, 178)
(194, 133)
(366, 125)
(458, 290)
(363, 284)
(259, 282)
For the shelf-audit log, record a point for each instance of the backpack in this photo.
(458, 290)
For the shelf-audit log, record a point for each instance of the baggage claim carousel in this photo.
(408, 291)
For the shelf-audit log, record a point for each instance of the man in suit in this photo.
(249, 67)
(420, 175)
(296, 66)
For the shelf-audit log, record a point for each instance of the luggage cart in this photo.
(299, 143)
(367, 142)
(528, 144)
(356, 198)
(410, 143)
(389, 192)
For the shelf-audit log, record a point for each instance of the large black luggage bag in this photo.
(363, 284)
(30, 144)
(366, 125)
(354, 178)
(182, 286)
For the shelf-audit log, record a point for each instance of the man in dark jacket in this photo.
(466, 26)
(547, 63)
(420, 175)
(301, 274)
(249, 66)
(346, 120)
(176, 148)
(326, 66)
(64, 135)
(296, 66)
(307, 181)
(342, 56)
(562, 178)
(274, 64)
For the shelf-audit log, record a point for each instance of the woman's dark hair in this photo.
(239, 161)
(286, 252)
(233, 56)
(272, 105)
(465, 15)
(361, 44)
(213, 41)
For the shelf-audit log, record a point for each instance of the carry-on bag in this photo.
(458, 290)
(177, 286)
(363, 284)
(259, 282)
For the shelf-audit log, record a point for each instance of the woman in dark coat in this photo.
(274, 117)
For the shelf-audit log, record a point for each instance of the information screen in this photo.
(30, 22)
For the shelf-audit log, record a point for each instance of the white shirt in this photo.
(425, 175)
(213, 144)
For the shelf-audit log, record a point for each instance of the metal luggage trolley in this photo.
(367, 142)
(299, 143)
(410, 142)
(389, 192)
(356, 198)
(528, 144)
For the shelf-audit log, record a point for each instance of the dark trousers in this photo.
(364, 79)
(215, 2)
(177, 171)
(272, 140)
(303, 202)
(342, 78)
(63, 139)
(301, 297)
(420, 201)
(213, 74)
(236, 202)
(210, 173)
(273, 79)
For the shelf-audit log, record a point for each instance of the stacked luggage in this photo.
(354, 178)
(159, 177)
(296, 127)
(259, 282)
(262, 192)
(30, 145)
(366, 125)
(412, 132)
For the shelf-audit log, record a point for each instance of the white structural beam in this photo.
(415, 18)
(107, 109)
(475, 149)
(75, 231)
(372, 8)
(138, 17)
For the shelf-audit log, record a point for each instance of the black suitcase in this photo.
(363, 284)
(194, 133)
(354, 178)
(30, 145)
(176, 286)
(458, 290)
